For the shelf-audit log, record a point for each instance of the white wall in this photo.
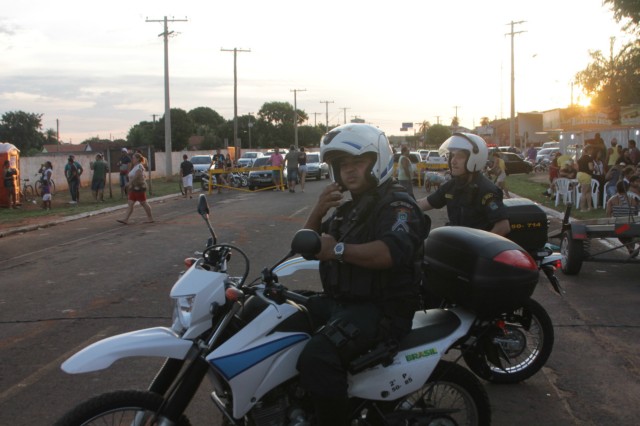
(29, 167)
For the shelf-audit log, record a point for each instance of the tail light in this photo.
(516, 258)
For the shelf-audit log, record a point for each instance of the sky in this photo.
(95, 69)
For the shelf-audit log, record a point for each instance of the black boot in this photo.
(331, 411)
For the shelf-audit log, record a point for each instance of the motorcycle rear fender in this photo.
(410, 369)
(158, 341)
(296, 264)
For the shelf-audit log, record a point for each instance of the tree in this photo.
(50, 137)
(181, 130)
(22, 129)
(484, 121)
(205, 117)
(614, 81)
(276, 113)
(626, 9)
(143, 133)
(455, 122)
(437, 134)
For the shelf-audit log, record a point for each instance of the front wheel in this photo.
(451, 396)
(27, 194)
(119, 408)
(516, 347)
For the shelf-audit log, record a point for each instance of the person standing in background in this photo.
(124, 164)
(186, 172)
(291, 160)
(9, 181)
(276, 160)
(302, 167)
(100, 169)
(585, 171)
(73, 179)
(403, 171)
(45, 184)
(612, 154)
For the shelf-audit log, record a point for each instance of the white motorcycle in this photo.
(246, 337)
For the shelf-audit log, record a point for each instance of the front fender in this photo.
(157, 341)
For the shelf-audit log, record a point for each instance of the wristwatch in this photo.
(338, 251)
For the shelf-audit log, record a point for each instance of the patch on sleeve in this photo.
(402, 216)
(488, 198)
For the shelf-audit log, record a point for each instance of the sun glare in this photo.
(584, 100)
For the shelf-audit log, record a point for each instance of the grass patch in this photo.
(532, 186)
(60, 207)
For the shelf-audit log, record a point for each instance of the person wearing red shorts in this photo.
(137, 190)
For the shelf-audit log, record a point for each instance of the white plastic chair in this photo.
(562, 190)
(595, 188)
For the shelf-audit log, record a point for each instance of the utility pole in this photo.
(326, 103)
(167, 106)
(315, 118)
(512, 122)
(235, 96)
(295, 114)
(344, 110)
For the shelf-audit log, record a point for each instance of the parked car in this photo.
(248, 157)
(435, 161)
(546, 154)
(262, 178)
(316, 169)
(201, 164)
(510, 149)
(515, 164)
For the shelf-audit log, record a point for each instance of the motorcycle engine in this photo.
(280, 408)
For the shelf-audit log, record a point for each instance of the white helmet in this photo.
(358, 139)
(474, 144)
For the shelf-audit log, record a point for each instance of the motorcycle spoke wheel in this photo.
(451, 396)
(119, 408)
(527, 342)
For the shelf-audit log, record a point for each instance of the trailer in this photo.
(576, 236)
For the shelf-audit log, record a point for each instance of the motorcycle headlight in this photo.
(182, 312)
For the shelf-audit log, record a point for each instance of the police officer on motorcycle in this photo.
(472, 200)
(369, 254)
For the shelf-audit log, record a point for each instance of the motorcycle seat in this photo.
(429, 326)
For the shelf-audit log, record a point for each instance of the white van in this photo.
(552, 144)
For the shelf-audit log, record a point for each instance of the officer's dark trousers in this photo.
(323, 365)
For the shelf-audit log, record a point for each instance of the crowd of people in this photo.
(608, 167)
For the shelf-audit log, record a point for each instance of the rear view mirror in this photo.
(307, 243)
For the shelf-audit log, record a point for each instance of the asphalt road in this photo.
(65, 286)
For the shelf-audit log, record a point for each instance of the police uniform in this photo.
(477, 204)
(361, 307)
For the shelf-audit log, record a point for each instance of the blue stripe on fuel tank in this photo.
(232, 365)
